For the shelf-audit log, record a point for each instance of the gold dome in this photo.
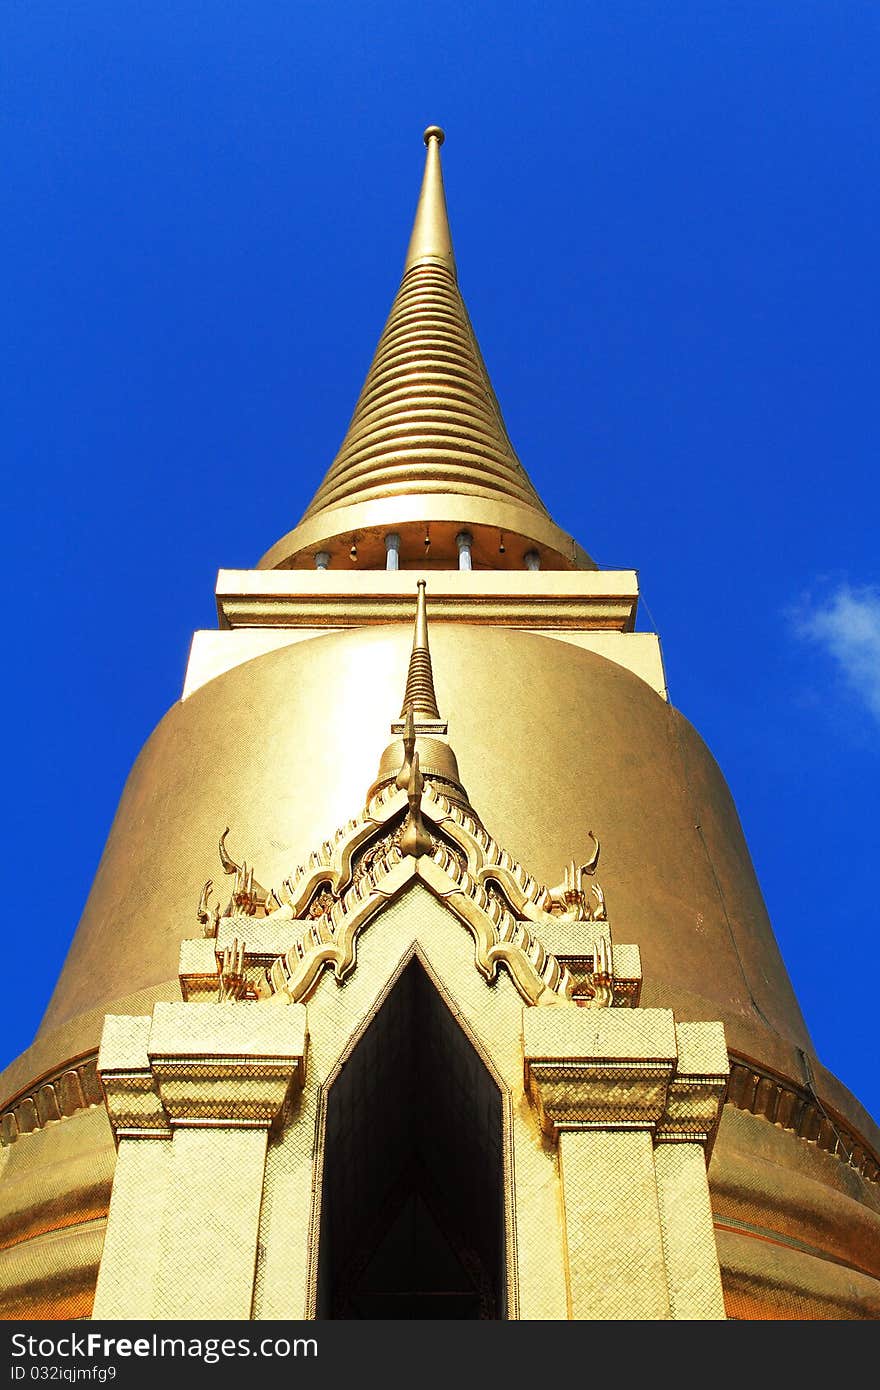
(551, 741)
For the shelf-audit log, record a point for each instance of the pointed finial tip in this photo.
(434, 132)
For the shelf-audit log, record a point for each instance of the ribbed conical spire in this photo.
(421, 733)
(419, 697)
(426, 455)
(427, 420)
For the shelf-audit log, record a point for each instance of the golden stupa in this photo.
(490, 1020)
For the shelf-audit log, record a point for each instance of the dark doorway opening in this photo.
(412, 1213)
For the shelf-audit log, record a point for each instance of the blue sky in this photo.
(665, 222)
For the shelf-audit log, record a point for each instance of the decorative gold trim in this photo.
(62, 1093)
(418, 832)
(778, 1099)
(577, 601)
(797, 1109)
(498, 937)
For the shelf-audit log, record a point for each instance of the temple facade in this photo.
(425, 973)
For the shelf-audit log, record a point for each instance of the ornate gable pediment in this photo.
(417, 823)
(276, 943)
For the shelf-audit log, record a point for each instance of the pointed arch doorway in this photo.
(413, 1187)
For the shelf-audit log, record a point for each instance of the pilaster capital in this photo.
(133, 1105)
(696, 1091)
(226, 1065)
(624, 1069)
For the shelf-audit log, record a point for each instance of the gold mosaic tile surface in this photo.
(691, 1257)
(615, 1251)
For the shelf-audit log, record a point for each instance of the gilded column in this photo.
(613, 1245)
(683, 1142)
(632, 1102)
(127, 1273)
(185, 1208)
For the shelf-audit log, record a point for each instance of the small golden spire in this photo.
(431, 238)
(421, 734)
(419, 695)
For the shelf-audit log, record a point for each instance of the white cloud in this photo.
(847, 625)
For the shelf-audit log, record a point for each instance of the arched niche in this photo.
(412, 1221)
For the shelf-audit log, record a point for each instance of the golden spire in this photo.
(431, 238)
(421, 733)
(427, 419)
(419, 696)
(426, 445)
